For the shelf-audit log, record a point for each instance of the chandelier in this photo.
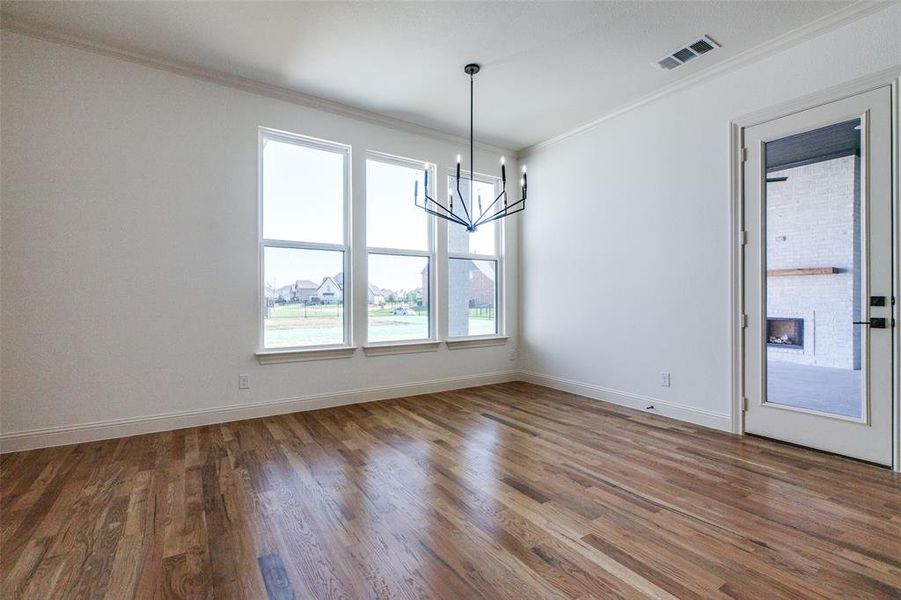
(498, 209)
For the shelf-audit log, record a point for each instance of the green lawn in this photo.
(291, 325)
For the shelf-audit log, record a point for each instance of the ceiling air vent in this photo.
(689, 52)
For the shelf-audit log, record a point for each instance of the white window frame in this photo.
(430, 253)
(265, 354)
(498, 258)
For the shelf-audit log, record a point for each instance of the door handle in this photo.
(874, 323)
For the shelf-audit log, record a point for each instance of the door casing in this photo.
(889, 77)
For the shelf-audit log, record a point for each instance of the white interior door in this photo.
(818, 277)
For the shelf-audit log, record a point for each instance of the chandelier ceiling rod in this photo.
(469, 219)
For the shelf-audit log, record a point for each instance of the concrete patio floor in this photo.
(825, 389)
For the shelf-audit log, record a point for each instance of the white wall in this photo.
(129, 194)
(633, 217)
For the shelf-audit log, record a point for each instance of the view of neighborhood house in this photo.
(305, 313)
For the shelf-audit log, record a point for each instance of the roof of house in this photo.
(305, 284)
(332, 279)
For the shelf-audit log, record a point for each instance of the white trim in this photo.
(275, 356)
(674, 410)
(857, 86)
(460, 343)
(116, 428)
(736, 268)
(896, 271)
(237, 82)
(303, 245)
(402, 347)
(465, 256)
(887, 77)
(399, 252)
(795, 37)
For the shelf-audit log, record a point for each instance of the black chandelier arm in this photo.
(487, 210)
(482, 220)
(508, 209)
(448, 214)
(444, 216)
(450, 211)
(462, 201)
(506, 212)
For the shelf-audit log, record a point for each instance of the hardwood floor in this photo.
(505, 491)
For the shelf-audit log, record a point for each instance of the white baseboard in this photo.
(682, 412)
(17, 441)
(46, 437)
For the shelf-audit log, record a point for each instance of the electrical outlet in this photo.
(664, 378)
(243, 382)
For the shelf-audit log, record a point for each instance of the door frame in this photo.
(889, 77)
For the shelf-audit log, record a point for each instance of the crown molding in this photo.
(834, 20)
(237, 82)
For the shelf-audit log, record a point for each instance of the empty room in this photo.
(450, 299)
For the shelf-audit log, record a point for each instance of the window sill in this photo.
(274, 357)
(476, 342)
(387, 348)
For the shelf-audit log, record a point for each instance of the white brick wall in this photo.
(813, 221)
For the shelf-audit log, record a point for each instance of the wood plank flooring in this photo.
(505, 491)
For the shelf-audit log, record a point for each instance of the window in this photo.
(304, 237)
(474, 265)
(400, 243)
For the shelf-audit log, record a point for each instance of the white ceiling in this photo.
(547, 66)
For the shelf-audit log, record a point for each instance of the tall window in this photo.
(475, 263)
(401, 248)
(304, 197)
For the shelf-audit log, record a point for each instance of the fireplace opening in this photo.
(785, 332)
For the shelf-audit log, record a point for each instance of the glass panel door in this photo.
(817, 277)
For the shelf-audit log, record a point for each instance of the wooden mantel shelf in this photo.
(808, 271)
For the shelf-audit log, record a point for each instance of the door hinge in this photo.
(744, 154)
(744, 321)
(744, 404)
(742, 237)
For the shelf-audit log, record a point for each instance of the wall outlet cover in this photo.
(664, 379)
